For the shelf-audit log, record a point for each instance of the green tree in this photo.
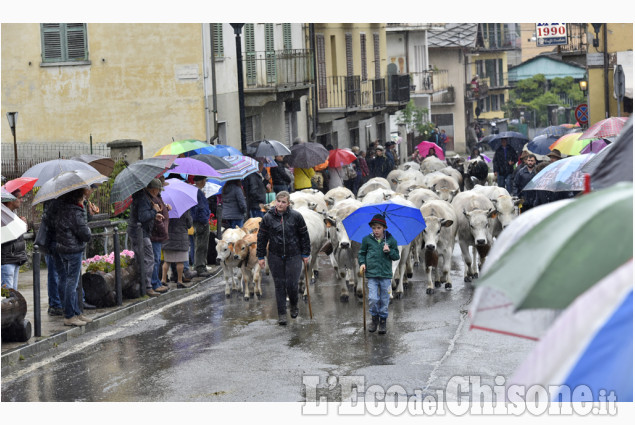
(414, 118)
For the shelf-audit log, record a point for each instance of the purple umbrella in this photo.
(180, 195)
(595, 146)
(193, 167)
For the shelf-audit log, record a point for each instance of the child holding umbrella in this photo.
(378, 251)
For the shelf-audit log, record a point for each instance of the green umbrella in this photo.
(568, 252)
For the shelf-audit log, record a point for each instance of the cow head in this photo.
(445, 193)
(478, 221)
(432, 232)
(223, 250)
(241, 249)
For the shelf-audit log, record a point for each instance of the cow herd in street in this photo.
(473, 218)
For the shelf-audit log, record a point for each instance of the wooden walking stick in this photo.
(364, 295)
(308, 293)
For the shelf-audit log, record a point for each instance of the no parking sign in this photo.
(582, 114)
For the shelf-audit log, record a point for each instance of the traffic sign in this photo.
(582, 114)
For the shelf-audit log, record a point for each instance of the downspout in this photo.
(315, 92)
(214, 105)
(207, 135)
(606, 72)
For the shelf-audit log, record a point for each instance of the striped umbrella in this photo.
(242, 166)
(608, 127)
(186, 147)
(66, 182)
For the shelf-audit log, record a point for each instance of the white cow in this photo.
(317, 235)
(431, 164)
(504, 203)
(311, 201)
(410, 165)
(336, 195)
(420, 195)
(378, 195)
(372, 184)
(438, 240)
(455, 174)
(225, 257)
(393, 177)
(473, 212)
(442, 184)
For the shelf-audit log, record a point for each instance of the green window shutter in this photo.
(321, 70)
(76, 42)
(286, 37)
(376, 55)
(362, 48)
(501, 77)
(270, 54)
(64, 42)
(250, 54)
(219, 51)
(51, 43)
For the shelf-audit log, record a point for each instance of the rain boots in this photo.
(373, 325)
(294, 311)
(382, 326)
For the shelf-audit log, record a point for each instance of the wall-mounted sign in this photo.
(551, 34)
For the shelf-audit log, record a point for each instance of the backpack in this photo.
(350, 172)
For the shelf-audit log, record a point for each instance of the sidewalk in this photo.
(53, 330)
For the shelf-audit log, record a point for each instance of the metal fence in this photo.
(53, 150)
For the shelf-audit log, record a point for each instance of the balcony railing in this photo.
(499, 80)
(430, 81)
(281, 68)
(444, 96)
(577, 39)
(471, 93)
(495, 40)
(351, 93)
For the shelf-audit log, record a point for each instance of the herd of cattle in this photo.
(453, 202)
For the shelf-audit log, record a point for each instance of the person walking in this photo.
(284, 234)
(13, 252)
(234, 205)
(378, 251)
(443, 140)
(279, 177)
(522, 177)
(256, 188)
(176, 248)
(71, 233)
(200, 216)
(504, 159)
(379, 166)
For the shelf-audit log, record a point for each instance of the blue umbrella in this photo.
(554, 130)
(540, 144)
(404, 222)
(224, 150)
(515, 139)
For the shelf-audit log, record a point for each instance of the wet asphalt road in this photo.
(204, 347)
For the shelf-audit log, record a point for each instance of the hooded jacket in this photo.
(72, 231)
(378, 263)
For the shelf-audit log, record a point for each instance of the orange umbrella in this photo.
(321, 166)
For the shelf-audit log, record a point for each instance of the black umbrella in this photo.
(216, 162)
(265, 148)
(614, 163)
(307, 155)
(138, 175)
(515, 139)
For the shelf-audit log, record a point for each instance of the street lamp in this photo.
(13, 120)
(583, 86)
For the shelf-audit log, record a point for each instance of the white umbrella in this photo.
(12, 226)
(66, 182)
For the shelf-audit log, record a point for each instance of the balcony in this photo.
(399, 88)
(577, 40)
(472, 94)
(495, 40)
(445, 96)
(278, 70)
(428, 82)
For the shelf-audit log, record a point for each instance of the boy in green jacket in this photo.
(378, 251)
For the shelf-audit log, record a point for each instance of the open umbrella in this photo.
(595, 146)
(424, 147)
(571, 144)
(66, 182)
(554, 131)
(180, 195)
(223, 150)
(101, 163)
(564, 175)
(186, 147)
(241, 167)
(265, 147)
(192, 166)
(567, 252)
(608, 127)
(12, 226)
(307, 155)
(216, 162)
(516, 140)
(7, 196)
(23, 183)
(138, 175)
(341, 157)
(590, 343)
(45, 171)
(403, 219)
(570, 126)
(540, 144)
(211, 189)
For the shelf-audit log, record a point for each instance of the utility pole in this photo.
(241, 91)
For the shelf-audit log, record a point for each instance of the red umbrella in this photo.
(23, 183)
(340, 157)
(608, 127)
(424, 148)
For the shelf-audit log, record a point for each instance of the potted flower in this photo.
(99, 280)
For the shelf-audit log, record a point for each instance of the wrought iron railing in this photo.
(430, 81)
(399, 88)
(474, 93)
(340, 92)
(281, 68)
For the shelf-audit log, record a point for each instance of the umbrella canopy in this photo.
(264, 148)
(223, 150)
(540, 144)
(23, 183)
(211, 189)
(7, 196)
(608, 127)
(485, 157)
(12, 226)
(403, 219)
(66, 182)
(180, 195)
(192, 166)
(307, 155)
(103, 164)
(554, 131)
(45, 171)
(571, 144)
(186, 147)
(216, 162)
(341, 157)
(564, 175)
(567, 252)
(616, 161)
(515, 140)
(424, 147)
(570, 126)
(595, 146)
(137, 176)
(590, 343)
(241, 167)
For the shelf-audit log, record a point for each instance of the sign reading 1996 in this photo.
(551, 34)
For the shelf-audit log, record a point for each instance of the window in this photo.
(270, 54)
(321, 70)
(250, 54)
(286, 37)
(362, 48)
(64, 43)
(217, 33)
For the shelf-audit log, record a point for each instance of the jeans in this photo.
(256, 212)
(505, 181)
(156, 250)
(378, 296)
(285, 274)
(191, 238)
(10, 273)
(280, 187)
(201, 241)
(53, 264)
(69, 279)
(231, 224)
(146, 255)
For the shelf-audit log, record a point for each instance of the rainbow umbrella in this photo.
(570, 144)
(186, 147)
(608, 127)
(576, 125)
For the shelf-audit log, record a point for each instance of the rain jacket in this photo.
(14, 252)
(141, 212)
(178, 239)
(234, 204)
(255, 191)
(286, 234)
(378, 263)
(501, 165)
(302, 178)
(200, 212)
(72, 231)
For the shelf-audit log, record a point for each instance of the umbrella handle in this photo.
(308, 293)
(364, 296)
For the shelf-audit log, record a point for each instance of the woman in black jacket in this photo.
(279, 177)
(71, 234)
(176, 247)
(234, 205)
